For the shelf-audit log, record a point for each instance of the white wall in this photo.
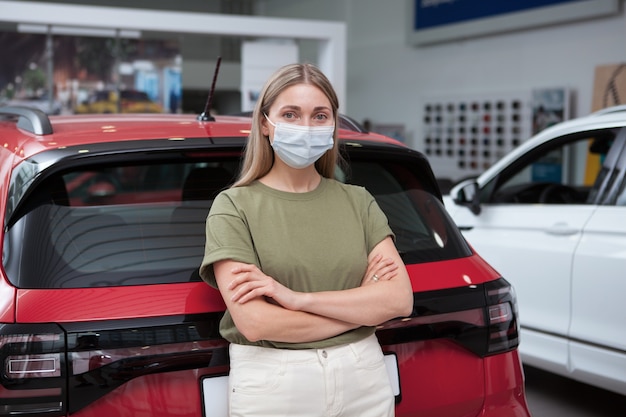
(390, 80)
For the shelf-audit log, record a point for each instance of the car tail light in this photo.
(502, 318)
(481, 318)
(32, 380)
(48, 370)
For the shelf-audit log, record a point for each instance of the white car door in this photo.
(597, 331)
(532, 246)
(531, 223)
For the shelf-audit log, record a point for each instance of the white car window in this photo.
(565, 172)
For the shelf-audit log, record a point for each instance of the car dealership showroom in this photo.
(492, 134)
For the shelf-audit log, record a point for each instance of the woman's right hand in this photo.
(379, 269)
(250, 282)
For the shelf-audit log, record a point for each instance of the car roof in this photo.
(35, 132)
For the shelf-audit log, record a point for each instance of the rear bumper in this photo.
(504, 395)
(441, 379)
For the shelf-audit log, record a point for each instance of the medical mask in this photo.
(301, 146)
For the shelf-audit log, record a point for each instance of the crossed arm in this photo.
(264, 309)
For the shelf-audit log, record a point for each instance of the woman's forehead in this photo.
(302, 96)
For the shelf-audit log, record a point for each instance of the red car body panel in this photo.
(7, 301)
(111, 303)
(456, 273)
(114, 303)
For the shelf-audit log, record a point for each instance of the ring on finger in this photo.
(375, 278)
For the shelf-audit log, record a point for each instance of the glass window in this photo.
(563, 171)
(116, 225)
(422, 228)
(136, 224)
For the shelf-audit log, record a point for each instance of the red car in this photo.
(102, 311)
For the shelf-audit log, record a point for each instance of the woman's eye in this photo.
(321, 117)
(289, 116)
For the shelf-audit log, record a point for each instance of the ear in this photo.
(264, 127)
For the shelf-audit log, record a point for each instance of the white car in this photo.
(551, 217)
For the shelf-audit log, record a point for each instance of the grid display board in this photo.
(464, 136)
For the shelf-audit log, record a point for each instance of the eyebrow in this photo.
(298, 108)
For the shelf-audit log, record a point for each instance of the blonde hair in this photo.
(258, 155)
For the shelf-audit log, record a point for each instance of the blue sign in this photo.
(434, 13)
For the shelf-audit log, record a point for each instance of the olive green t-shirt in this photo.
(309, 242)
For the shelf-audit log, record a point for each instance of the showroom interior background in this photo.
(391, 81)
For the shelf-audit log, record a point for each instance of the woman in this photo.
(306, 265)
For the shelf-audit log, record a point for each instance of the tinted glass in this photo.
(423, 230)
(116, 225)
(144, 224)
(567, 170)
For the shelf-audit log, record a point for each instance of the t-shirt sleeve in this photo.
(377, 224)
(227, 237)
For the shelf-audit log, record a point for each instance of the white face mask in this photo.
(300, 146)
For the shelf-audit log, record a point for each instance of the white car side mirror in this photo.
(466, 193)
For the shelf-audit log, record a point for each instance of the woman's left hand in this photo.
(250, 282)
(379, 269)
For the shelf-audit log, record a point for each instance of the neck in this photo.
(285, 178)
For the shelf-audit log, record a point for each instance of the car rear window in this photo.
(137, 224)
(423, 230)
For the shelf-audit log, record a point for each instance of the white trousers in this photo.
(348, 380)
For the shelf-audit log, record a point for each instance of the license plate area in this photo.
(391, 362)
(214, 396)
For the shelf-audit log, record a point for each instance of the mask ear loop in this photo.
(270, 122)
(268, 119)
